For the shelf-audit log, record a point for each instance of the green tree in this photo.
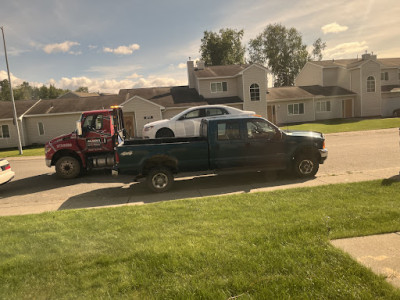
(223, 48)
(5, 94)
(318, 47)
(282, 50)
(43, 92)
(23, 92)
(82, 89)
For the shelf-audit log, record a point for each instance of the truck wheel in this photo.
(160, 180)
(305, 165)
(68, 167)
(164, 133)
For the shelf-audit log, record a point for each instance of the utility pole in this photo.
(12, 95)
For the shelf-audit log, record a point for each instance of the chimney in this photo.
(190, 70)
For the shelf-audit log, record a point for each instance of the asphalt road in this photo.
(355, 156)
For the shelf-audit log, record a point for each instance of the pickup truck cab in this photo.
(225, 144)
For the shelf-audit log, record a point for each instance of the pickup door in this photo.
(246, 143)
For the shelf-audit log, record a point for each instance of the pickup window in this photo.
(229, 130)
(258, 129)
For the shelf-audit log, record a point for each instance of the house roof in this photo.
(70, 105)
(21, 106)
(220, 71)
(176, 96)
(352, 63)
(293, 92)
(78, 95)
(389, 88)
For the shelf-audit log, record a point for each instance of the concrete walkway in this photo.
(381, 253)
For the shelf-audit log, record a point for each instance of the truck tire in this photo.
(68, 167)
(160, 179)
(305, 165)
(164, 133)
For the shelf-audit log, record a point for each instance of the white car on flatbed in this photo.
(5, 171)
(187, 123)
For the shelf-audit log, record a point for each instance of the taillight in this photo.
(8, 167)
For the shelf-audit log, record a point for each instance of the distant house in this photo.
(375, 82)
(323, 90)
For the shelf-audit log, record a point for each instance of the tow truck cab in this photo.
(90, 146)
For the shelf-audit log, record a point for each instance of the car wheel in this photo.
(164, 133)
(68, 167)
(305, 165)
(159, 179)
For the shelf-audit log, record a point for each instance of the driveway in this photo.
(355, 156)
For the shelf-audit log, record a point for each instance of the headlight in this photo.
(147, 128)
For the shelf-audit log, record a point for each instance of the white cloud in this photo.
(61, 47)
(182, 66)
(123, 50)
(15, 81)
(346, 50)
(333, 28)
(113, 86)
(134, 76)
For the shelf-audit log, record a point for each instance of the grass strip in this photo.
(345, 125)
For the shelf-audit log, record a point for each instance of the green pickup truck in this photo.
(225, 144)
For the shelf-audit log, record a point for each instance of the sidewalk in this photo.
(381, 253)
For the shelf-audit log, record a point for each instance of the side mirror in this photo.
(79, 128)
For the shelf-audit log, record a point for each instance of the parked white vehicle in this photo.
(5, 171)
(187, 123)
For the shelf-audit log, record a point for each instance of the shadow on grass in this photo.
(188, 187)
(391, 180)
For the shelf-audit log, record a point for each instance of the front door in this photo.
(271, 113)
(96, 133)
(129, 124)
(347, 108)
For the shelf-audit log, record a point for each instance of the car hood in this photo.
(157, 123)
(301, 133)
(63, 137)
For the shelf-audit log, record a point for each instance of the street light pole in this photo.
(12, 95)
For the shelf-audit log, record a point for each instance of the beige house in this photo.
(324, 90)
(375, 82)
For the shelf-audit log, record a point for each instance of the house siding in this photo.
(144, 112)
(371, 101)
(309, 75)
(54, 125)
(205, 88)
(282, 116)
(330, 77)
(256, 75)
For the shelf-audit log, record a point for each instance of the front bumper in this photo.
(324, 155)
(48, 162)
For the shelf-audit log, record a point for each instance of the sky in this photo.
(112, 45)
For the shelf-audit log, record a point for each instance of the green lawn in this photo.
(272, 245)
(343, 125)
(31, 151)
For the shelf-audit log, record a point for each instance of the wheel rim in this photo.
(306, 167)
(67, 167)
(160, 180)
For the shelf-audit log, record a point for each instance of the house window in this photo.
(41, 128)
(371, 84)
(217, 87)
(296, 109)
(385, 76)
(323, 106)
(254, 92)
(4, 132)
